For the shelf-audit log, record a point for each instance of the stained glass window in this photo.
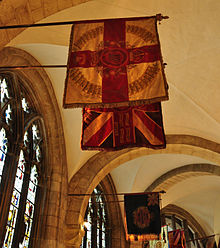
(3, 150)
(4, 89)
(15, 200)
(21, 159)
(6, 115)
(97, 229)
(30, 204)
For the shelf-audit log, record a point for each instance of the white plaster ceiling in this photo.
(190, 194)
(190, 42)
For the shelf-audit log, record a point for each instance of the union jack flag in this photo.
(123, 127)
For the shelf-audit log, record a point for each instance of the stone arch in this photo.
(179, 174)
(172, 209)
(97, 167)
(174, 176)
(56, 168)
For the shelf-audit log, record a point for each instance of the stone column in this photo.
(217, 220)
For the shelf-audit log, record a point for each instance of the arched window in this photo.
(22, 147)
(173, 222)
(97, 229)
(178, 218)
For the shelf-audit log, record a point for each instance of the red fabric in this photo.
(118, 128)
(177, 239)
(139, 55)
(113, 63)
(114, 85)
(100, 135)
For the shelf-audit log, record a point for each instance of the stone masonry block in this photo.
(51, 232)
(72, 217)
(50, 7)
(57, 177)
(35, 4)
(64, 4)
(7, 14)
(17, 3)
(54, 197)
(52, 220)
(55, 186)
(22, 15)
(53, 210)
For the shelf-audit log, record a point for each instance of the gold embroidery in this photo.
(142, 33)
(86, 37)
(74, 74)
(90, 89)
(141, 83)
(152, 199)
(80, 81)
(141, 217)
(85, 87)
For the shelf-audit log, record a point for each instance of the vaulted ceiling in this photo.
(190, 43)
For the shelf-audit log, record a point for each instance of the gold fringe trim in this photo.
(115, 104)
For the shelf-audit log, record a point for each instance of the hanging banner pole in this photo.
(31, 66)
(161, 192)
(159, 17)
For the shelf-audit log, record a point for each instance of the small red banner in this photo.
(177, 239)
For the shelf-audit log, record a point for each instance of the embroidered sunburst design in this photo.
(141, 217)
(152, 199)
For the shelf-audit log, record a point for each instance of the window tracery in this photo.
(21, 162)
(96, 218)
(3, 150)
(178, 218)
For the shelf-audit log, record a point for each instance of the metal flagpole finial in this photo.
(160, 17)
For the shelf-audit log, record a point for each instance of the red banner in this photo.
(177, 239)
(118, 128)
(115, 62)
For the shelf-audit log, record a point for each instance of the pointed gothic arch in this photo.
(43, 97)
(97, 167)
